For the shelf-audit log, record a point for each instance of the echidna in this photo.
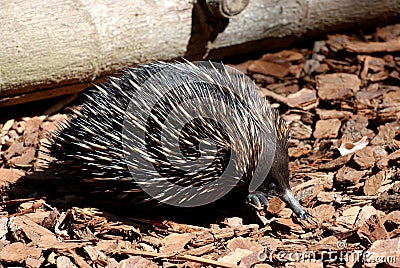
(183, 133)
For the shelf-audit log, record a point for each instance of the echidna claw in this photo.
(256, 198)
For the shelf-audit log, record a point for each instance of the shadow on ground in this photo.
(65, 194)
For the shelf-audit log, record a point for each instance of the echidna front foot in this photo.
(294, 204)
(256, 198)
(303, 215)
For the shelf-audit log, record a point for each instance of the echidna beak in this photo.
(292, 202)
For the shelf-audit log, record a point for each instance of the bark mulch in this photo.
(341, 99)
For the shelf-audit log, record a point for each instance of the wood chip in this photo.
(244, 243)
(275, 205)
(356, 128)
(305, 99)
(3, 228)
(17, 148)
(278, 70)
(372, 47)
(390, 198)
(370, 225)
(9, 176)
(175, 242)
(24, 228)
(96, 256)
(349, 216)
(241, 67)
(333, 114)
(235, 257)
(233, 222)
(364, 158)
(384, 251)
(17, 253)
(299, 151)
(389, 32)
(137, 262)
(335, 163)
(31, 132)
(373, 183)
(25, 160)
(393, 219)
(326, 129)
(33, 262)
(37, 234)
(7, 126)
(337, 85)
(392, 223)
(323, 213)
(64, 262)
(327, 197)
(384, 161)
(284, 55)
(387, 133)
(347, 175)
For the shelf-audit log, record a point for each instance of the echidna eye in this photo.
(272, 186)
